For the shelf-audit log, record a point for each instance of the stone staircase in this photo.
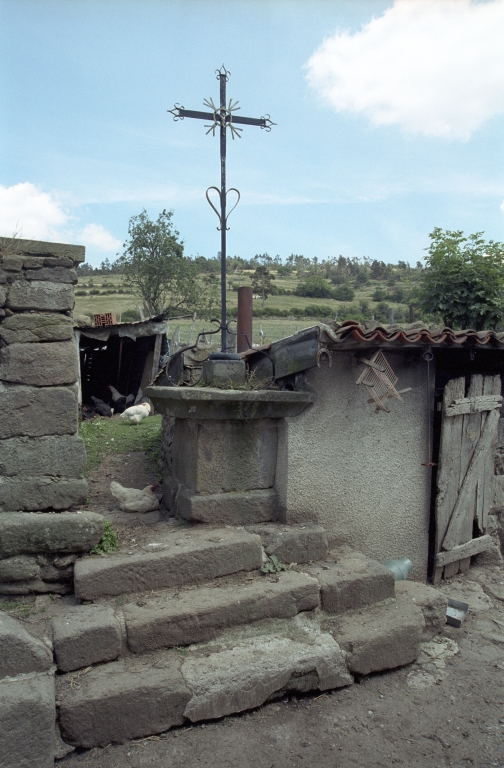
(190, 629)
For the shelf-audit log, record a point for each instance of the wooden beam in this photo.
(371, 364)
(474, 405)
(157, 353)
(462, 551)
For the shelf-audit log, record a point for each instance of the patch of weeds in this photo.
(273, 565)
(21, 609)
(120, 600)
(109, 542)
(103, 436)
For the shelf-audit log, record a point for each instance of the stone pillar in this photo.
(221, 466)
(41, 455)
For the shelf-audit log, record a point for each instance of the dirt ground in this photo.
(447, 709)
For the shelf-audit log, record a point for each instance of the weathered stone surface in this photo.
(242, 508)
(77, 253)
(352, 582)
(498, 495)
(20, 652)
(56, 297)
(85, 635)
(60, 456)
(52, 274)
(189, 557)
(39, 493)
(431, 602)
(292, 543)
(3, 296)
(197, 615)
(19, 568)
(3, 275)
(35, 262)
(250, 666)
(217, 456)
(27, 716)
(35, 326)
(381, 637)
(35, 412)
(24, 533)
(117, 702)
(35, 587)
(39, 365)
(12, 263)
(225, 374)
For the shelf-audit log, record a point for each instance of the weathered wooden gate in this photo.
(466, 467)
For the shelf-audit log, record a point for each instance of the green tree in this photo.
(262, 282)
(314, 287)
(464, 280)
(154, 264)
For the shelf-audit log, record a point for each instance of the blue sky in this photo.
(390, 119)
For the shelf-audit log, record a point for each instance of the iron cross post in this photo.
(222, 118)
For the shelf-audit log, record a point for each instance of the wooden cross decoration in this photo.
(222, 117)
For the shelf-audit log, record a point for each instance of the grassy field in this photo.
(272, 328)
(104, 436)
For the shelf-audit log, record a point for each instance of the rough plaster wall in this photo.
(357, 472)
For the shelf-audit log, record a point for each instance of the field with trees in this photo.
(460, 284)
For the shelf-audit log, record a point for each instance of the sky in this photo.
(389, 122)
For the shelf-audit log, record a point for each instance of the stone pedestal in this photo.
(224, 451)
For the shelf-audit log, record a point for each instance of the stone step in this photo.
(245, 667)
(383, 636)
(197, 615)
(298, 543)
(188, 556)
(350, 580)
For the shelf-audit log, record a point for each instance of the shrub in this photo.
(130, 315)
(379, 294)
(296, 312)
(314, 287)
(81, 293)
(94, 292)
(344, 293)
(318, 310)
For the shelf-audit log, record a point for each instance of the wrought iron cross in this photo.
(222, 117)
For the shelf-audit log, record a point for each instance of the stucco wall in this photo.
(357, 472)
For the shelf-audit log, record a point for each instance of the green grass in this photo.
(20, 609)
(103, 436)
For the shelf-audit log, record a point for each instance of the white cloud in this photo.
(434, 67)
(97, 236)
(502, 206)
(30, 213)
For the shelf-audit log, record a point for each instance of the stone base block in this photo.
(20, 653)
(431, 602)
(118, 702)
(200, 614)
(86, 635)
(224, 374)
(62, 456)
(24, 533)
(36, 412)
(353, 581)
(381, 637)
(253, 665)
(216, 456)
(243, 508)
(27, 717)
(39, 493)
(292, 543)
(40, 365)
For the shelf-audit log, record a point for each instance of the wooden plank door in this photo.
(464, 483)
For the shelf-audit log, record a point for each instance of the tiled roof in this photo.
(351, 333)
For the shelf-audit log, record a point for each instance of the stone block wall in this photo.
(41, 455)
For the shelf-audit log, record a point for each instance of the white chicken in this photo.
(136, 413)
(134, 500)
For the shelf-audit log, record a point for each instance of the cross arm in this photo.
(262, 122)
